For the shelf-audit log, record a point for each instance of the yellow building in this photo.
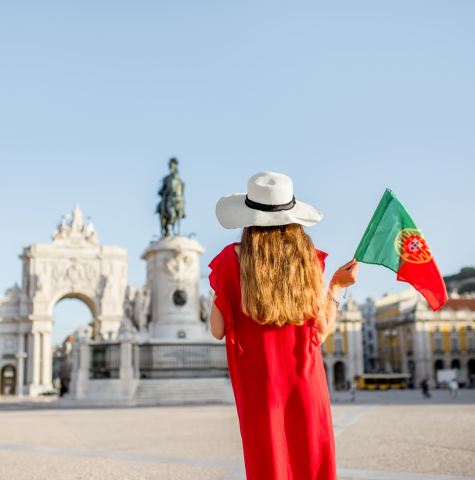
(413, 339)
(342, 351)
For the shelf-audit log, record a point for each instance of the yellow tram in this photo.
(383, 381)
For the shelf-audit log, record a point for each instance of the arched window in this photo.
(438, 365)
(8, 380)
(339, 376)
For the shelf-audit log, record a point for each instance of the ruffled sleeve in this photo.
(219, 281)
(321, 257)
(312, 323)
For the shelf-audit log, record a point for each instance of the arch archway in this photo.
(438, 365)
(74, 265)
(455, 363)
(87, 301)
(73, 319)
(8, 380)
(339, 376)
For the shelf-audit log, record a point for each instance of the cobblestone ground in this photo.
(382, 435)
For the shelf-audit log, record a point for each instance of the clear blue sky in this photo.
(346, 97)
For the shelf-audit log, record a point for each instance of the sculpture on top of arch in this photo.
(75, 229)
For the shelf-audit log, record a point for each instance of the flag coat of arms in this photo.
(393, 240)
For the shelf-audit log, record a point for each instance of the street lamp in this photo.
(390, 335)
(21, 357)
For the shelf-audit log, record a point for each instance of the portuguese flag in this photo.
(393, 240)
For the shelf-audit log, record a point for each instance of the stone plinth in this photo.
(173, 273)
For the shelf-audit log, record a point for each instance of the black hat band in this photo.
(270, 208)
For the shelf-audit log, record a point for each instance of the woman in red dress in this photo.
(270, 304)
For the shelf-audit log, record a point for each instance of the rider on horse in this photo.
(172, 207)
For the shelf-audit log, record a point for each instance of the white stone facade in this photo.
(370, 344)
(74, 265)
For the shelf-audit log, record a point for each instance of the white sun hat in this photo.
(269, 201)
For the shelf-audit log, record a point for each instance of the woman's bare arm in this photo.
(216, 319)
(344, 277)
(217, 322)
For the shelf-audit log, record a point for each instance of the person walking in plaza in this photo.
(454, 388)
(271, 306)
(425, 388)
(353, 392)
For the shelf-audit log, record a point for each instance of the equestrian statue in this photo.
(172, 206)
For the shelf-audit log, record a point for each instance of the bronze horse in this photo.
(172, 206)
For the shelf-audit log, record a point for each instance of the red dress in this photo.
(279, 385)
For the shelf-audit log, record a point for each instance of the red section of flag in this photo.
(425, 278)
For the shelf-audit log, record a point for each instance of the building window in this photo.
(409, 345)
(438, 344)
(437, 328)
(370, 349)
(469, 328)
(471, 343)
(454, 342)
(8, 348)
(370, 335)
(338, 345)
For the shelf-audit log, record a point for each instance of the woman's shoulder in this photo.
(223, 269)
(224, 255)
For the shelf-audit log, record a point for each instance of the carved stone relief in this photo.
(179, 268)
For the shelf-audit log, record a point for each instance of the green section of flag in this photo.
(377, 245)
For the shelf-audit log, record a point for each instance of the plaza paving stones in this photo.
(395, 437)
(431, 439)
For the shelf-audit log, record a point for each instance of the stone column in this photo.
(74, 369)
(47, 360)
(21, 359)
(84, 361)
(136, 354)
(36, 358)
(127, 373)
(82, 382)
(402, 351)
(126, 352)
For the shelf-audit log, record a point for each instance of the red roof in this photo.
(461, 304)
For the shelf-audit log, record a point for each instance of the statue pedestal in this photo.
(173, 272)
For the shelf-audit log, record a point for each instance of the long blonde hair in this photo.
(282, 282)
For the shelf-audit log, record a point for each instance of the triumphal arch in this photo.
(73, 265)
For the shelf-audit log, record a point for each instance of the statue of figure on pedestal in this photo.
(142, 308)
(172, 207)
